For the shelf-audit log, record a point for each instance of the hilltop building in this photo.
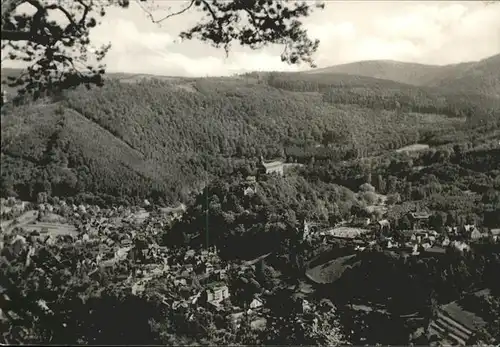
(273, 167)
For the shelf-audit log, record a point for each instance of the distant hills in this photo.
(471, 77)
(408, 73)
(162, 137)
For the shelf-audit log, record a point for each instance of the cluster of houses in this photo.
(420, 238)
(199, 276)
(199, 279)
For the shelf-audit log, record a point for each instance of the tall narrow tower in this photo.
(305, 229)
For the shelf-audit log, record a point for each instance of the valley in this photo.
(356, 204)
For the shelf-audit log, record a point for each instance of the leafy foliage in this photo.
(55, 51)
(61, 55)
(266, 22)
(274, 213)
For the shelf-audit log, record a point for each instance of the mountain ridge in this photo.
(421, 74)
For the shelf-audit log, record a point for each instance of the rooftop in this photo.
(273, 164)
(456, 311)
(495, 231)
(436, 250)
(215, 285)
(420, 215)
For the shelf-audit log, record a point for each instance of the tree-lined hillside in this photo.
(249, 225)
(482, 77)
(376, 93)
(164, 138)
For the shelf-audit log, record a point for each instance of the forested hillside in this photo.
(482, 77)
(389, 95)
(163, 138)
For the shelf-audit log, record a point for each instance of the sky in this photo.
(425, 32)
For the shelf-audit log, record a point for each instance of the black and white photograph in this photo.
(250, 172)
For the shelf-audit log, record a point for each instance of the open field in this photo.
(345, 232)
(53, 229)
(332, 270)
(170, 210)
(53, 218)
(292, 165)
(413, 148)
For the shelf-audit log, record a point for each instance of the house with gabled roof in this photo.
(457, 322)
(256, 303)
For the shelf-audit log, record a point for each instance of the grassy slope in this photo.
(332, 270)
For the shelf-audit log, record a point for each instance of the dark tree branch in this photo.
(12, 35)
(157, 21)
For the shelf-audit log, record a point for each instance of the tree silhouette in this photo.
(61, 55)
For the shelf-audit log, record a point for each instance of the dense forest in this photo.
(163, 139)
(388, 95)
(428, 281)
(274, 211)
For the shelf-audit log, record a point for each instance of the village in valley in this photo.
(366, 231)
(193, 280)
(302, 189)
(198, 279)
